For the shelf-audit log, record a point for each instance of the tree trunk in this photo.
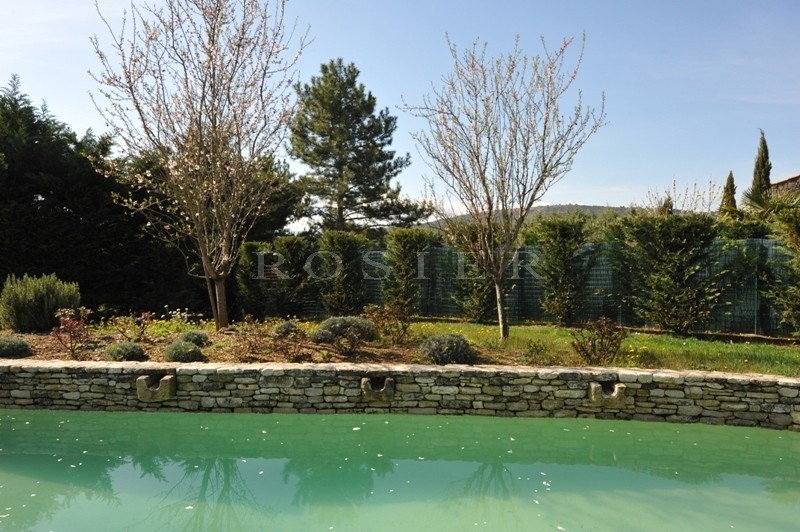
(212, 301)
(501, 310)
(340, 217)
(222, 304)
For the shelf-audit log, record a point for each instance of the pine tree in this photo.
(763, 166)
(337, 134)
(728, 203)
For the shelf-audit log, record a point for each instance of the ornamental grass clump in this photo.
(448, 349)
(14, 348)
(126, 352)
(345, 333)
(183, 351)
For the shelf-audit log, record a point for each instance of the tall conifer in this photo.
(728, 203)
(762, 169)
(338, 135)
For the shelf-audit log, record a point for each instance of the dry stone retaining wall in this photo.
(686, 397)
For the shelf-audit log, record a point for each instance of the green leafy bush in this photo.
(474, 293)
(126, 351)
(293, 285)
(563, 262)
(256, 280)
(198, 338)
(183, 351)
(401, 288)
(345, 333)
(14, 348)
(29, 304)
(448, 349)
(671, 269)
(340, 272)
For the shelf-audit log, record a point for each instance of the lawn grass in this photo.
(550, 345)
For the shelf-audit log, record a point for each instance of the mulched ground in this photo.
(231, 347)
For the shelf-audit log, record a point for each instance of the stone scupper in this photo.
(685, 397)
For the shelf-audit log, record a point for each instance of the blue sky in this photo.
(688, 84)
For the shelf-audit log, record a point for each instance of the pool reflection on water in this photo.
(67, 471)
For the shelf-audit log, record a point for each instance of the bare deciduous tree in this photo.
(496, 140)
(202, 88)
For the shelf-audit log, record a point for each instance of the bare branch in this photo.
(203, 87)
(496, 141)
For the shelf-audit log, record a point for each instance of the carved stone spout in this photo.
(147, 391)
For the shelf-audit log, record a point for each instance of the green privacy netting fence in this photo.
(743, 307)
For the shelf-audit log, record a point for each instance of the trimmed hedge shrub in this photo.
(341, 277)
(563, 263)
(448, 349)
(198, 338)
(183, 351)
(29, 304)
(14, 348)
(345, 333)
(126, 351)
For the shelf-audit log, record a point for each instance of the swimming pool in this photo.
(66, 471)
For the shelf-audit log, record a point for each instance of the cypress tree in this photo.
(728, 203)
(761, 171)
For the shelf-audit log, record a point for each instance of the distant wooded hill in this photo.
(557, 210)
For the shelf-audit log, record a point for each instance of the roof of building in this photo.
(792, 182)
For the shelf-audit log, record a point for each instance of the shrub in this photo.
(14, 348)
(448, 349)
(294, 286)
(183, 351)
(340, 272)
(672, 273)
(254, 335)
(287, 341)
(198, 338)
(562, 261)
(345, 333)
(392, 320)
(598, 342)
(256, 280)
(401, 288)
(29, 304)
(132, 328)
(126, 351)
(72, 331)
(474, 293)
(287, 329)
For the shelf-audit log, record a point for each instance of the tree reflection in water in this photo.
(211, 494)
(335, 481)
(25, 504)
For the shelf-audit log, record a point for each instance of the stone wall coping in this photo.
(276, 368)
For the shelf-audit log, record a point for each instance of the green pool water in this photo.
(79, 471)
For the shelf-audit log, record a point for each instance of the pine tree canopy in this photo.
(338, 135)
